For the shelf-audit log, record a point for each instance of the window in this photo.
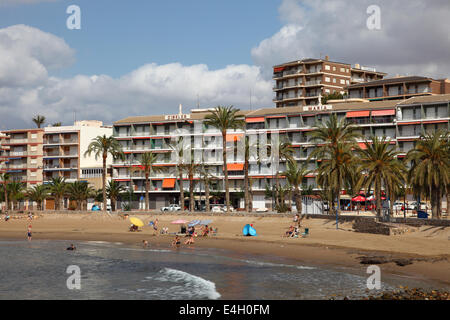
(342, 81)
(327, 79)
(327, 67)
(347, 82)
(343, 70)
(334, 80)
(334, 68)
(33, 136)
(327, 90)
(33, 148)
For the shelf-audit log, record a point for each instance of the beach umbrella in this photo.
(205, 222)
(136, 221)
(359, 199)
(179, 221)
(193, 223)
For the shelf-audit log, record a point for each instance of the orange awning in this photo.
(253, 120)
(278, 69)
(234, 137)
(235, 166)
(362, 145)
(169, 183)
(379, 113)
(358, 114)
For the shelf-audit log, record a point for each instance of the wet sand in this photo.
(424, 252)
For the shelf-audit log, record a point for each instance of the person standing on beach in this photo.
(29, 235)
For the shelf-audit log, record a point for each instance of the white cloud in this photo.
(413, 38)
(26, 55)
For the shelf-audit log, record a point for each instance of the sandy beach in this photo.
(426, 249)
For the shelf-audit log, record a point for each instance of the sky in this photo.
(143, 57)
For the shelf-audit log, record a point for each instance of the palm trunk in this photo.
(225, 170)
(104, 181)
(6, 195)
(191, 190)
(208, 207)
(147, 184)
(246, 195)
(180, 172)
(378, 195)
(298, 200)
(434, 196)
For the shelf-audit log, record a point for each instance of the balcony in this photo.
(313, 82)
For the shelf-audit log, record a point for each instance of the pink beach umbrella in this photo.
(180, 221)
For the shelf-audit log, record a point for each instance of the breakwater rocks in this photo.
(411, 294)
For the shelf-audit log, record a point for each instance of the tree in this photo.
(336, 144)
(80, 191)
(15, 192)
(5, 178)
(430, 169)
(113, 190)
(332, 96)
(57, 124)
(380, 167)
(39, 120)
(146, 164)
(57, 188)
(206, 177)
(295, 176)
(225, 118)
(285, 152)
(179, 149)
(101, 146)
(38, 194)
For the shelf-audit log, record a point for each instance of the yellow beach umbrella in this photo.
(137, 222)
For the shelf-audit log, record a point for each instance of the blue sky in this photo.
(146, 57)
(119, 36)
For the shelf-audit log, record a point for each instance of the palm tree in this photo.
(80, 191)
(191, 169)
(102, 146)
(113, 190)
(15, 192)
(146, 164)
(337, 140)
(38, 194)
(206, 177)
(39, 120)
(57, 188)
(179, 149)
(5, 178)
(225, 118)
(295, 176)
(285, 152)
(379, 166)
(57, 124)
(430, 168)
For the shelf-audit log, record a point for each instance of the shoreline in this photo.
(333, 249)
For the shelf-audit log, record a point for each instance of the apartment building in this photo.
(300, 83)
(391, 118)
(64, 148)
(35, 156)
(24, 157)
(398, 88)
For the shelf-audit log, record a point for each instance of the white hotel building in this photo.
(400, 120)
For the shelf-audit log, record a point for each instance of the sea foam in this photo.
(186, 284)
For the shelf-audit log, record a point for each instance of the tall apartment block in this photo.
(401, 121)
(300, 83)
(35, 156)
(398, 88)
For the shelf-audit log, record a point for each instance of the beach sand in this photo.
(428, 248)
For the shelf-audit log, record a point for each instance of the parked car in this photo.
(172, 207)
(415, 206)
(216, 209)
(398, 205)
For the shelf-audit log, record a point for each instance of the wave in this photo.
(269, 264)
(186, 285)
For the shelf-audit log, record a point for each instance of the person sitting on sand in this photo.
(205, 231)
(7, 217)
(133, 228)
(71, 247)
(190, 240)
(176, 241)
(290, 231)
(144, 243)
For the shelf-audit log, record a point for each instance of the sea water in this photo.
(38, 270)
